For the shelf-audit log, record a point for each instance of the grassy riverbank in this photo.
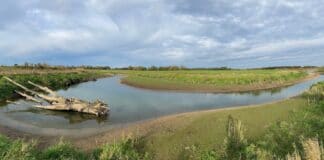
(166, 137)
(207, 129)
(213, 80)
(55, 79)
(172, 136)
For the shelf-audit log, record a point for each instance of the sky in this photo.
(193, 33)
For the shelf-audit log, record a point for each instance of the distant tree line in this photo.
(286, 67)
(141, 68)
(27, 65)
(167, 68)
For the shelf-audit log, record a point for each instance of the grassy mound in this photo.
(213, 80)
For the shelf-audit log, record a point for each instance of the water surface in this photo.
(128, 105)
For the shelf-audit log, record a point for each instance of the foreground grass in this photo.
(21, 150)
(207, 130)
(54, 79)
(213, 80)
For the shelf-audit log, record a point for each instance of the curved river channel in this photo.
(128, 105)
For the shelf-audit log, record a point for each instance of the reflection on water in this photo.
(259, 92)
(130, 104)
(72, 117)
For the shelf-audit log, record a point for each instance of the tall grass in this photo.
(62, 151)
(235, 142)
(17, 149)
(127, 149)
(21, 150)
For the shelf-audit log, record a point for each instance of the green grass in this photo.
(62, 151)
(207, 129)
(16, 149)
(52, 79)
(212, 80)
(126, 149)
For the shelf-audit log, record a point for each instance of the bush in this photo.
(281, 140)
(62, 151)
(17, 150)
(124, 150)
(194, 153)
(20, 150)
(234, 144)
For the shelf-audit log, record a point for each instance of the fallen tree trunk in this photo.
(45, 89)
(60, 103)
(28, 97)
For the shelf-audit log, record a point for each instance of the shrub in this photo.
(195, 153)
(315, 93)
(124, 150)
(17, 150)
(62, 151)
(234, 144)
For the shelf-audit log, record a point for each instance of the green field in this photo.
(212, 80)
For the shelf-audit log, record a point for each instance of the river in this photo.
(128, 105)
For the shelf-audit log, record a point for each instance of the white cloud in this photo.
(194, 32)
(174, 54)
(283, 46)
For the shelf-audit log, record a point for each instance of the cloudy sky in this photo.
(204, 33)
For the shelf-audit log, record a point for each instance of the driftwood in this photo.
(56, 102)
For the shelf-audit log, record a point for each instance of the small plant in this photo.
(124, 150)
(17, 150)
(62, 151)
(234, 144)
(195, 153)
(316, 93)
